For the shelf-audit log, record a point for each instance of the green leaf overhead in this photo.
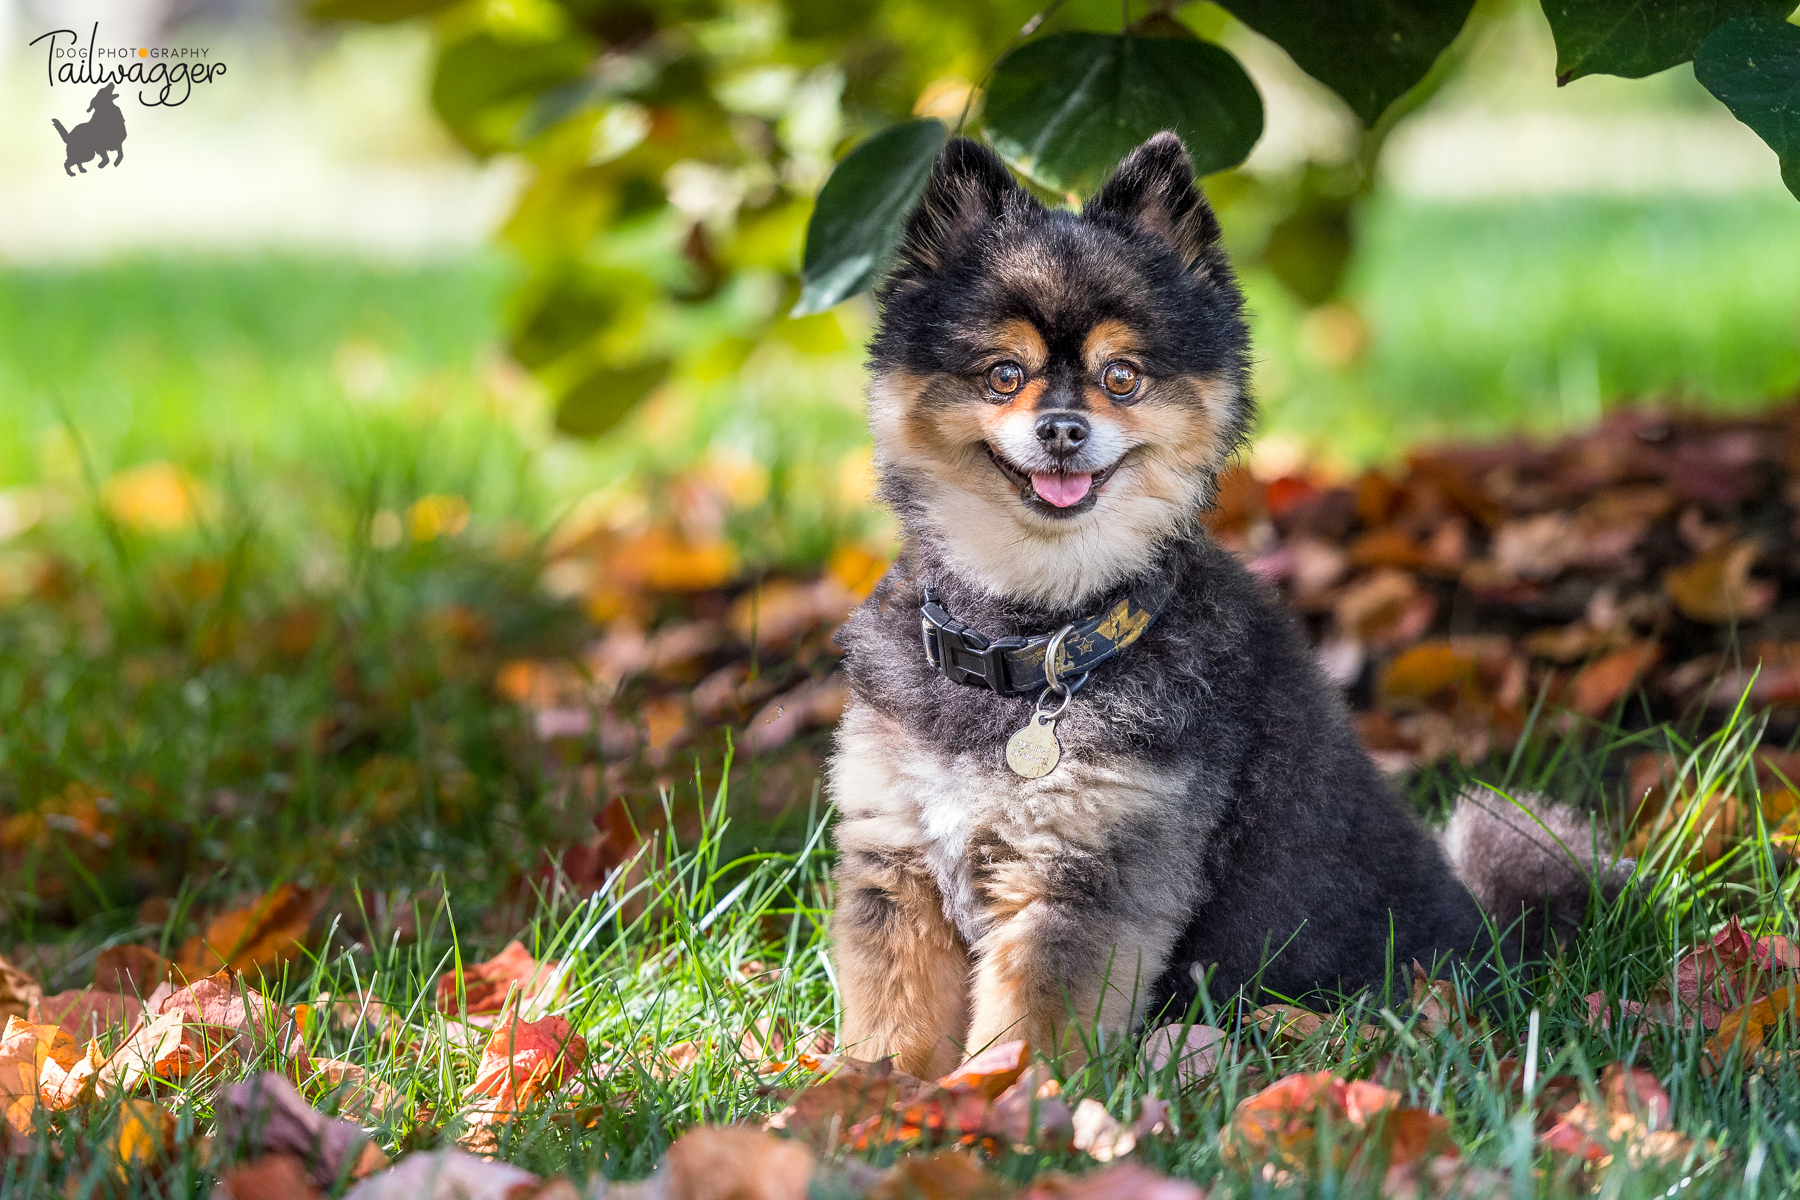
(599, 401)
(1064, 109)
(480, 76)
(861, 213)
(373, 10)
(1370, 52)
(1752, 65)
(1634, 38)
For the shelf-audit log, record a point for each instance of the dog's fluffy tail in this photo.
(1531, 865)
(59, 128)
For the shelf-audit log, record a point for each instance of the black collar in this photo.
(1014, 666)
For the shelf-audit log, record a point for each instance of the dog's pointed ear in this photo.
(970, 188)
(1153, 191)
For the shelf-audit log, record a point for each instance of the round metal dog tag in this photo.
(1032, 752)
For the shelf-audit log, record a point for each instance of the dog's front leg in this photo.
(903, 972)
(1049, 959)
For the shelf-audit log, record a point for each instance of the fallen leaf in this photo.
(1742, 1033)
(486, 986)
(849, 1096)
(990, 1072)
(25, 1051)
(1098, 1134)
(1278, 1125)
(90, 1013)
(1194, 1050)
(1031, 1113)
(946, 1175)
(129, 970)
(1716, 587)
(251, 940)
(1601, 684)
(1120, 1181)
(522, 1062)
(447, 1174)
(271, 1177)
(266, 1115)
(140, 1141)
(730, 1162)
(357, 1092)
(19, 990)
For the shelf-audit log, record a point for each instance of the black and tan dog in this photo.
(1053, 397)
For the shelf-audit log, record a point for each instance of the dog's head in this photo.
(1054, 393)
(103, 98)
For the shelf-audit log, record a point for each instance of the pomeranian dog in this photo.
(101, 134)
(1090, 765)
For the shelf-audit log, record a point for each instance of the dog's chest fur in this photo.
(990, 840)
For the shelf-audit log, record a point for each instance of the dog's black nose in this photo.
(1062, 433)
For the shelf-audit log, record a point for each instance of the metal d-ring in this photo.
(1054, 679)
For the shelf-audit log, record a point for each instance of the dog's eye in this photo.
(1003, 379)
(1119, 378)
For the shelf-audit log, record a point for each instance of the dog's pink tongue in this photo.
(1060, 490)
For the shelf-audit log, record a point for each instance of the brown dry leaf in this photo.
(205, 1027)
(1716, 587)
(129, 970)
(1031, 1113)
(1605, 681)
(1194, 1050)
(1098, 1134)
(854, 1093)
(488, 985)
(1287, 1024)
(357, 1092)
(26, 1052)
(813, 703)
(1120, 1181)
(89, 1013)
(1436, 1002)
(1634, 1114)
(946, 1175)
(271, 1177)
(266, 1115)
(448, 1174)
(255, 939)
(18, 991)
(730, 1162)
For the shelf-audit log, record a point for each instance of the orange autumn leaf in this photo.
(990, 1072)
(27, 1053)
(1742, 1033)
(1279, 1124)
(487, 985)
(140, 1141)
(250, 940)
(1716, 587)
(1605, 681)
(523, 1062)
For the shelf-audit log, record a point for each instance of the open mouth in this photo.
(1054, 493)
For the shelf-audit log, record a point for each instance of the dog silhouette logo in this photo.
(101, 134)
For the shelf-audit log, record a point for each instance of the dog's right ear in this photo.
(970, 188)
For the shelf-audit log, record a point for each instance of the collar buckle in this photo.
(962, 654)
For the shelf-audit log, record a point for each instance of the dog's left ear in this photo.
(1153, 191)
